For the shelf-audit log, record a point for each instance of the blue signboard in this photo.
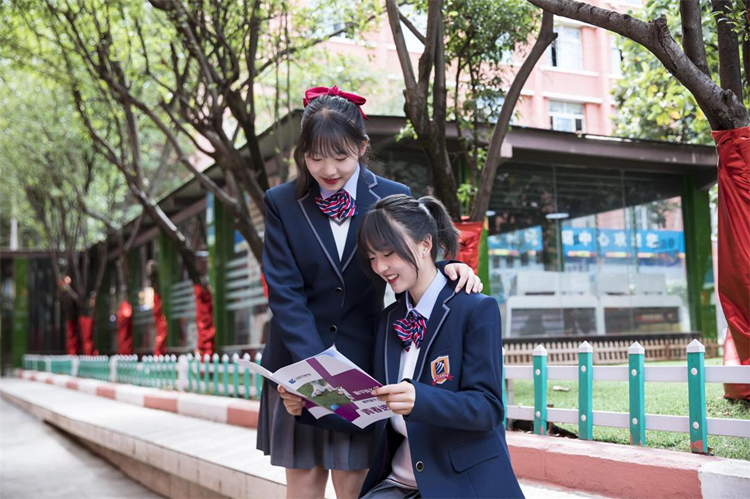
(581, 240)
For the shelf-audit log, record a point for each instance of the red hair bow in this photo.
(315, 92)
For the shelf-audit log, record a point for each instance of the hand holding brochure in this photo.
(330, 383)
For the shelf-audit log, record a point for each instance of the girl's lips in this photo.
(330, 181)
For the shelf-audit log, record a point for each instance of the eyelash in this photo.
(384, 254)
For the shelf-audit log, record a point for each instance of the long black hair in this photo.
(383, 228)
(331, 127)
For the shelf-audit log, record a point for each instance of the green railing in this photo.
(209, 375)
(695, 374)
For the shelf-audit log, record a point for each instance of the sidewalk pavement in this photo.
(176, 455)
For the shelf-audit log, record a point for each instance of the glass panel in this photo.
(578, 251)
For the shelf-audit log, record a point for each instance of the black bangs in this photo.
(330, 135)
(378, 232)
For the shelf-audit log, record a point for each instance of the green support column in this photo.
(697, 397)
(167, 267)
(585, 391)
(696, 219)
(540, 390)
(102, 312)
(637, 378)
(220, 229)
(20, 310)
(483, 270)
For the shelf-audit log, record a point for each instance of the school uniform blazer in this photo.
(456, 436)
(316, 298)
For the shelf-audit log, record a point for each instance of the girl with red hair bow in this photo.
(317, 290)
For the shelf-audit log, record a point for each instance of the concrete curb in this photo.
(227, 410)
(595, 467)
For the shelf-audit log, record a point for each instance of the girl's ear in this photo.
(425, 247)
(363, 148)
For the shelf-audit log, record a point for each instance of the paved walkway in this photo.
(38, 461)
(229, 450)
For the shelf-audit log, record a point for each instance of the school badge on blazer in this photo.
(441, 370)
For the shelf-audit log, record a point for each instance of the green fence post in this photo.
(235, 376)
(216, 373)
(175, 364)
(207, 372)
(225, 375)
(636, 376)
(247, 377)
(697, 396)
(258, 377)
(540, 390)
(190, 372)
(585, 391)
(505, 397)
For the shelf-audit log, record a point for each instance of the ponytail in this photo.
(392, 218)
(447, 234)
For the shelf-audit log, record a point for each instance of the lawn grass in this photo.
(661, 398)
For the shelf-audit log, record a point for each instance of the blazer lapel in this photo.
(439, 313)
(366, 197)
(321, 227)
(393, 346)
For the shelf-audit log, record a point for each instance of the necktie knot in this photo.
(411, 329)
(340, 205)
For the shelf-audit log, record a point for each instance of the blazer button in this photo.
(419, 466)
(333, 328)
(339, 290)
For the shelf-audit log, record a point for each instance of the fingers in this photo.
(462, 283)
(450, 271)
(396, 397)
(401, 408)
(285, 395)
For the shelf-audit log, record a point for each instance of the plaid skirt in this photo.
(300, 446)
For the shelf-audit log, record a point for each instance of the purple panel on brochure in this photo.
(358, 384)
(348, 412)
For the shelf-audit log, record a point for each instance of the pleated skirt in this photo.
(300, 446)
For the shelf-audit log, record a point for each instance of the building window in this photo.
(615, 43)
(566, 116)
(566, 52)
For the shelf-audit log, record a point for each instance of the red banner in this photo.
(125, 329)
(469, 240)
(71, 337)
(734, 246)
(160, 344)
(204, 318)
(86, 327)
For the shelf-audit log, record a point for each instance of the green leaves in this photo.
(651, 103)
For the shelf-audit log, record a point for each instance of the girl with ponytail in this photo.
(439, 355)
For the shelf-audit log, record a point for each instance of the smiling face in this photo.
(399, 273)
(331, 173)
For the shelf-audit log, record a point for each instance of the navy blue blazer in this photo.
(455, 430)
(316, 298)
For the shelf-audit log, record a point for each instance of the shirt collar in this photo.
(427, 303)
(350, 186)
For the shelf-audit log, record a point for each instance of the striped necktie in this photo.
(340, 205)
(411, 329)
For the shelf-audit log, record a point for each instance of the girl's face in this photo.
(332, 173)
(396, 271)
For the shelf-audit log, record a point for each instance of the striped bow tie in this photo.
(340, 205)
(411, 329)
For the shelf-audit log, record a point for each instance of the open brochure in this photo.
(330, 383)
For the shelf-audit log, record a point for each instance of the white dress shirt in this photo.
(340, 231)
(402, 471)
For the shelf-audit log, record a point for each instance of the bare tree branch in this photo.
(545, 38)
(723, 108)
(729, 48)
(692, 34)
